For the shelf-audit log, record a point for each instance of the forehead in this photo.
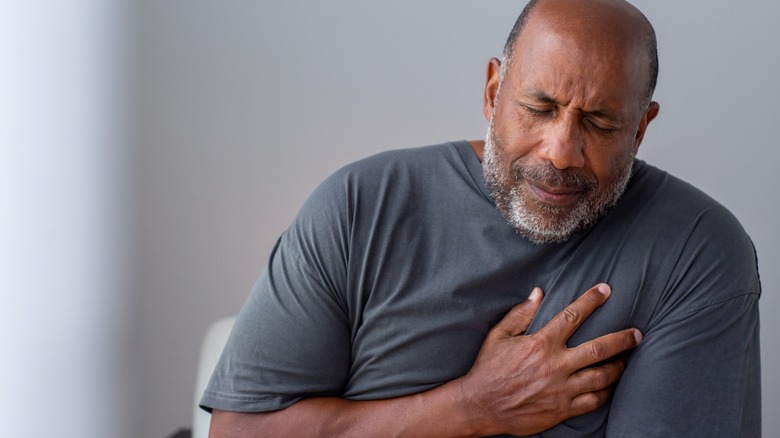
(583, 60)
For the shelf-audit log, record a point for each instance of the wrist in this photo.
(467, 417)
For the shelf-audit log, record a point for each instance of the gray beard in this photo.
(550, 223)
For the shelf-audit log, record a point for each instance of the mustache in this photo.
(549, 175)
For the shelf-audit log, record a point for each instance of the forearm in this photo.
(439, 412)
(519, 384)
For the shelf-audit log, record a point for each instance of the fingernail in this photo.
(534, 294)
(604, 289)
(638, 336)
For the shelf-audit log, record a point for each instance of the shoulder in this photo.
(657, 188)
(398, 162)
(676, 207)
(710, 256)
(375, 185)
(375, 167)
(683, 211)
(391, 175)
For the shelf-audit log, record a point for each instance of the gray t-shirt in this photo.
(396, 267)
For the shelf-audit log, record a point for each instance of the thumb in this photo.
(519, 317)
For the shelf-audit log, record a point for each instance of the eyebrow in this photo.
(541, 96)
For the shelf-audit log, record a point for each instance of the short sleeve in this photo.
(696, 375)
(697, 371)
(291, 339)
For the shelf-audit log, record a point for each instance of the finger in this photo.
(588, 402)
(597, 378)
(603, 347)
(565, 323)
(519, 318)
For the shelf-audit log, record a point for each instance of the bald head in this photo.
(597, 24)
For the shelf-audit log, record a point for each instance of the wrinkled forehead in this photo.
(591, 50)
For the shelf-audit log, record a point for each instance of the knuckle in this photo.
(494, 333)
(617, 367)
(571, 314)
(614, 376)
(593, 297)
(595, 380)
(519, 312)
(591, 401)
(611, 373)
(596, 351)
(536, 345)
(604, 379)
(547, 370)
(623, 341)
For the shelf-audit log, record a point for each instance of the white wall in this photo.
(63, 235)
(243, 107)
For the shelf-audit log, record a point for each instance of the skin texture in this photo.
(576, 72)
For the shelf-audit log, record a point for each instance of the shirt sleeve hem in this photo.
(237, 403)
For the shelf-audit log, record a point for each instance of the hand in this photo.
(524, 384)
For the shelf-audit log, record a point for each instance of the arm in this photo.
(519, 384)
(696, 374)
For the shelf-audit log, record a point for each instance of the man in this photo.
(374, 315)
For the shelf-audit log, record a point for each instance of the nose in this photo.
(563, 144)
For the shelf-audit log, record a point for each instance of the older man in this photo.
(374, 314)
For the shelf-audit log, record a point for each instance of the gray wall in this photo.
(243, 107)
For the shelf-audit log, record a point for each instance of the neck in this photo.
(479, 147)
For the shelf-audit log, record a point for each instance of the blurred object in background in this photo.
(63, 202)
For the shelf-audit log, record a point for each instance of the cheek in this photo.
(517, 135)
(607, 162)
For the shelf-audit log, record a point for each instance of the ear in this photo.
(647, 117)
(491, 87)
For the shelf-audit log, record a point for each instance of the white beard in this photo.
(549, 223)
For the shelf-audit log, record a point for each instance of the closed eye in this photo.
(540, 112)
(599, 128)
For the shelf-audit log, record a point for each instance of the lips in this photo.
(554, 195)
